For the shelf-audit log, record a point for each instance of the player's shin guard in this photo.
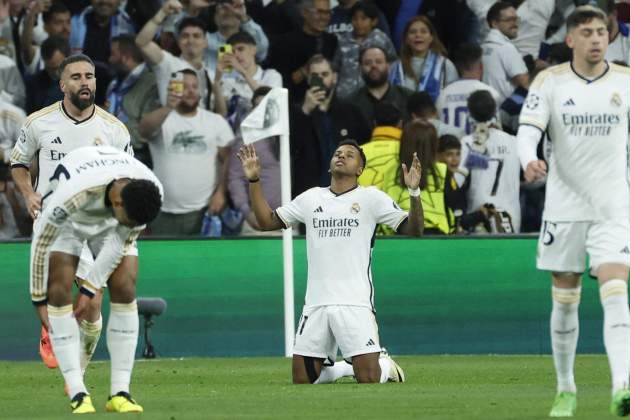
(122, 338)
(90, 333)
(330, 374)
(565, 329)
(614, 298)
(64, 336)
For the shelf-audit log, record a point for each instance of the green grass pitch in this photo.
(437, 387)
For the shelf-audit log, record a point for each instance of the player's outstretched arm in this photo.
(266, 217)
(415, 221)
(22, 178)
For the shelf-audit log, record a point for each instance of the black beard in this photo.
(374, 83)
(82, 103)
(184, 108)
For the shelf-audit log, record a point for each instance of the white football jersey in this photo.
(499, 184)
(76, 196)
(452, 104)
(587, 125)
(340, 233)
(51, 133)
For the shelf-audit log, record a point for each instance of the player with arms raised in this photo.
(102, 196)
(583, 106)
(340, 227)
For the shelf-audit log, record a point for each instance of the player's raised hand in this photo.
(249, 160)
(536, 170)
(414, 174)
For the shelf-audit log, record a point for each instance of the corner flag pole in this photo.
(287, 248)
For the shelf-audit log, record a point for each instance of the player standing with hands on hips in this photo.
(583, 106)
(340, 231)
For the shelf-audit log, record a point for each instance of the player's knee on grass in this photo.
(306, 370)
(122, 282)
(366, 368)
(566, 280)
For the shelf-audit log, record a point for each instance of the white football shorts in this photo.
(563, 246)
(323, 329)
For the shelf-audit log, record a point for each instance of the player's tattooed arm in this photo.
(266, 217)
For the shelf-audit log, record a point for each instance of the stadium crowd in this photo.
(445, 79)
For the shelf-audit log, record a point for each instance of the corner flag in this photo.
(269, 118)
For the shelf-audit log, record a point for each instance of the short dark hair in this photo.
(75, 58)
(141, 200)
(127, 45)
(55, 8)
(585, 14)
(386, 113)
(448, 142)
(494, 13)
(260, 91)
(369, 9)
(52, 44)
(482, 106)
(317, 59)
(353, 143)
(466, 56)
(420, 104)
(191, 21)
(241, 37)
(367, 47)
(189, 72)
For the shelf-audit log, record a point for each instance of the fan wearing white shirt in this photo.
(452, 104)
(340, 224)
(239, 76)
(504, 68)
(618, 36)
(584, 106)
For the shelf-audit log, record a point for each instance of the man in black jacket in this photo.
(319, 124)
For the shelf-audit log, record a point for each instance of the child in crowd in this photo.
(346, 60)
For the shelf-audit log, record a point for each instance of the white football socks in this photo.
(64, 336)
(89, 335)
(565, 329)
(330, 374)
(122, 338)
(386, 365)
(614, 298)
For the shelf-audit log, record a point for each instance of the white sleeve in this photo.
(162, 71)
(536, 109)
(123, 139)
(513, 62)
(224, 132)
(114, 248)
(527, 140)
(385, 209)
(26, 146)
(293, 213)
(271, 78)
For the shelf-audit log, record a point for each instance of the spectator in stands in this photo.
(276, 17)
(383, 148)
(423, 65)
(377, 89)
(42, 88)
(341, 18)
(239, 76)
(14, 219)
(421, 106)
(618, 35)
(534, 17)
(56, 23)
(11, 21)
(290, 52)
(140, 11)
(230, 18)
(452, 104)
(11, 84)
(319, 125)
(490, 156)
(192, 41)
(365, 33)
(268, 151)
(93, 29)
(11, 120)
(184, 148)
(504, 68)
(438, 188)
(450, 152)
(133, 92)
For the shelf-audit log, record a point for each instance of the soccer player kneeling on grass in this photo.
(583, 106)
(103, 196)
(340, 225)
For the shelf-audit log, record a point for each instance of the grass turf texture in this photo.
(437, 387)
